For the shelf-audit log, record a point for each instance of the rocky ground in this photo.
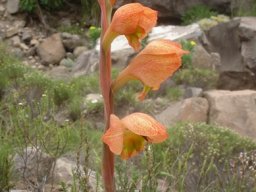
(226, 47)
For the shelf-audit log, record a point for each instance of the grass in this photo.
(245, 8)
(197, 13)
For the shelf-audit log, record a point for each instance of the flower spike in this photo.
(153, 65)
(132, 20)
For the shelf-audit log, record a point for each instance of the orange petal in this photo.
(145, 125)
(153, 65)
(133, 144)
(134, 21)
(114, 135)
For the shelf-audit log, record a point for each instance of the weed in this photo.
(196, 13)
(196, 77)
(73, 29)
(93, 34)
(245, 8)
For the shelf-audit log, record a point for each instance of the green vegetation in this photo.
(243, 8)
(196, 77)
(93, 34)
(31, 5)
(73, 29)
(196, 13)
(196, 157)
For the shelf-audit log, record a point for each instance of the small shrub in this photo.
(93, 34)
(196, 13)
(187, 58)
(174, 93)
(196, 77)
(30, 5)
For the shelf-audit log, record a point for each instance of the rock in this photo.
(233, 109)
(71, 41)
(193, 92)
(26, 36)
(11, 32)
(236, 46)
(15, 41)
(202, 59)
(119, 44)
(64, 170)
(12, 6)
(51, 50)
(24, 47)
(193, 109)
(32, 164)
(67, 62)
(2, 10)
(86, 63)
(174, 32)
(59, 72)
(94, 98)
(79, 50)
(248, 53)
(171, 32)
(34, 42)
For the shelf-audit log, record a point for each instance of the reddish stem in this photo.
(105, 84)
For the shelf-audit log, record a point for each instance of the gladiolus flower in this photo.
(132, 20)
(153, 65)
(128, 136)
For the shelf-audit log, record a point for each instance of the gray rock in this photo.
(11, 32)
(86, 63)
(32, 164)
(12, 6)
(174, 32)
(193, 92)
(67, 62)
(65, 169)
(233, 109)
(26, 36)
(202, 59)
(2, 10)
(94, 98)
(79, 50)
(193, 110)
(236, 46)
(71, 41)
(15, 41)
(51, 51)
(59, 72)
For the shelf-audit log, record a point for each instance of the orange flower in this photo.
(132, 20)
(153, 65)
(128, 136)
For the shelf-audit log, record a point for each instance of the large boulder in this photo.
(233, 109)
(51, 50)
(194, 109)
(235, 41)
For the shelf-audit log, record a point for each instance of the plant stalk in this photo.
(105, 84)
